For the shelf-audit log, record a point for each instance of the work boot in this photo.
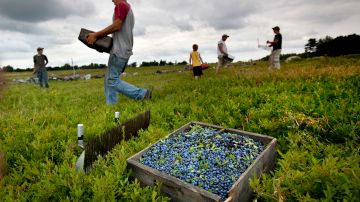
(148, 95)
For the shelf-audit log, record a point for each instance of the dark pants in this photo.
(43, 78)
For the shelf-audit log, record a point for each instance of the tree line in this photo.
(161, 63)
(332, 47)
(327, 46)
(67, 66)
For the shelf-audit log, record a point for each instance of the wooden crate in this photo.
(179, 190)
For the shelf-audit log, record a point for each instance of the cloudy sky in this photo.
(166, 29)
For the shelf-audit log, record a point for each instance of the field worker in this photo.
(122, 33)
(40, 62)
(196, 61)
(274, 60)
(222, 52)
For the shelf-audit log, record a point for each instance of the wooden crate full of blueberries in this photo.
(203, 162)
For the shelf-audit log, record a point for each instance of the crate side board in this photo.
(175, 188)
(258, 137)
(262, 138)
(241, 190)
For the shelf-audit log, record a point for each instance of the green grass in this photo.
(311, 106)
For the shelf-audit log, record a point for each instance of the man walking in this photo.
(122, 33)
(274, 61)
(40, 62)
(222, 52)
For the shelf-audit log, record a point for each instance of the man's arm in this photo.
(201, 59)
(190, 59)
(114, 27)
(46, 60)
(34, 70)
(272, 43)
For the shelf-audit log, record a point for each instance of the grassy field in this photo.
(311, 106)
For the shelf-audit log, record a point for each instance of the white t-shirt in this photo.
(224, 48)
(123, 40)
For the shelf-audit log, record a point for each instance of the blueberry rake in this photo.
(100, 146)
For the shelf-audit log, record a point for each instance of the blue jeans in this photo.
(43, 77)
(113, 84)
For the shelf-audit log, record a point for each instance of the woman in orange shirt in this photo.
(196, 62)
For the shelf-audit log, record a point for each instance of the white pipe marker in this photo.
(117, 116)
(80, 131)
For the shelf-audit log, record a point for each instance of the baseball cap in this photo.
(39, 48)
(276, 28)
(225, 35)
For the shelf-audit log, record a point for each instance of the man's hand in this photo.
(91, 38)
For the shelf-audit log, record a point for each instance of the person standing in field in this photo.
(222, 52)
(122, 33)
(196, 62)
(40, 62)
(274, 60)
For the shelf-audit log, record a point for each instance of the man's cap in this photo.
(276, 28)
(39, 48)
(225, 35)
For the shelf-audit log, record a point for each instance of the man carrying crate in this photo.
(122, 33)
(222, 52)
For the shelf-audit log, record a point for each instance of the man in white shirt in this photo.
(222, 52)
(122, 32)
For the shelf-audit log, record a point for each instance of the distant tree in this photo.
(162, 63)
(170, 64)
(102, 66)
(183, 63)
(134, 64)
(310, 47)
(149, 64)
(324, 45)
(8, 68)
(66, 66)
(342, 45)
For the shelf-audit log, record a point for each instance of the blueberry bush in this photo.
(311, 106)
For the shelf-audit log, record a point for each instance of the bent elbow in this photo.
(117, 28)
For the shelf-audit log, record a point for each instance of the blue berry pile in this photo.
(205, 157)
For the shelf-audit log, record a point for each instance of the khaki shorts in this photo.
(222, 62)
(274, 60)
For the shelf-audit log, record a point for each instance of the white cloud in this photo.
(167, 29)
(39, 10)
